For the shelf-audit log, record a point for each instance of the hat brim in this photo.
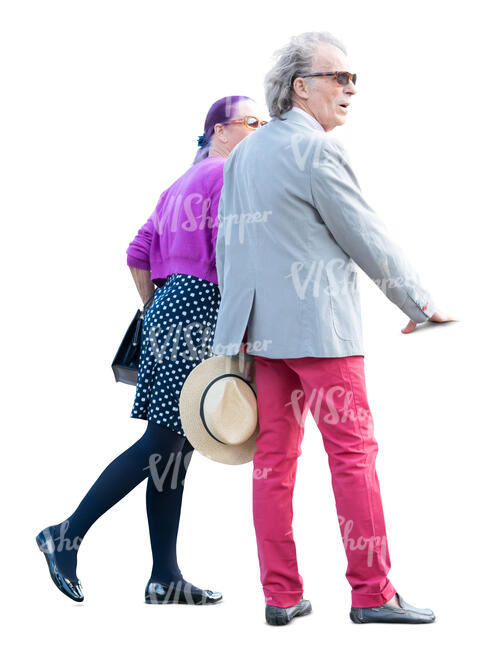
(189, 408)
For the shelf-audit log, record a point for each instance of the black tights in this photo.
(162, 456)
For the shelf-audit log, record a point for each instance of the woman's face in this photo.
(237, 132)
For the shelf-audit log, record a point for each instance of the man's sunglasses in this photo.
(248, 121)
(343, 78)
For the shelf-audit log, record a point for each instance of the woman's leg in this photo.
(118, 479)
(163, 500)
(164, 495)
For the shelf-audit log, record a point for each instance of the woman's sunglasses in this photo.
(343, 78)
(249, 121)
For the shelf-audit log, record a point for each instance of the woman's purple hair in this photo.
(221, 111)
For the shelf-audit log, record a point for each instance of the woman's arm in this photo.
(143, 283)
(138, 256)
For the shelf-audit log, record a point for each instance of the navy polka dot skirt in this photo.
(178, 332)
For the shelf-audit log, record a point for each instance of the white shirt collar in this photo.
(310, 118)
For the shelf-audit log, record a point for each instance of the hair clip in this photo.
(202, 140)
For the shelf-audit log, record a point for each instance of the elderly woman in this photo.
(174, 251)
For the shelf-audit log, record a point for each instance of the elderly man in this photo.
(293, 228)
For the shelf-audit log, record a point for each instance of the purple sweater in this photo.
(181, 234)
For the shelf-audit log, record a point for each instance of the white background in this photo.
(102, 105)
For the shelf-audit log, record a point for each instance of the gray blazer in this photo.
(293, 229)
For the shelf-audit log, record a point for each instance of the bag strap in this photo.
(139, 324)
(148, 302)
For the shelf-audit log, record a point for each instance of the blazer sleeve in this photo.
(362, 235)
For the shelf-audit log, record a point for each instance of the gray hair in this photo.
(292, 60)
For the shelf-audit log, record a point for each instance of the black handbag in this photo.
(126, 361)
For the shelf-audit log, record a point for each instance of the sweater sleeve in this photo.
(214, 208)
(138, 252)
(220, 250)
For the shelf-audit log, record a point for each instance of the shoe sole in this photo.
(155, 601)
(405, 621)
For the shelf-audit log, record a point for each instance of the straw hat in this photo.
(218, 410)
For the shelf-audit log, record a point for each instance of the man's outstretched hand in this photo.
(437, 317)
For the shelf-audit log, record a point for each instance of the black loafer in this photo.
(405, 613)
(182, 592)
(70, 588)
(283, 615)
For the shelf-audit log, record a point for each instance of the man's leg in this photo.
(336, 392)
(274, 472)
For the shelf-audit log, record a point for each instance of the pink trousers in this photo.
(334, 390)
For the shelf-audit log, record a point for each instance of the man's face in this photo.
(328, 101)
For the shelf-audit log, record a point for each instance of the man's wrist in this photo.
(418, 310)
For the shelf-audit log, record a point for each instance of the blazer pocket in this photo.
(342, 306)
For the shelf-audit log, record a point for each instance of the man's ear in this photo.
(300, 88)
